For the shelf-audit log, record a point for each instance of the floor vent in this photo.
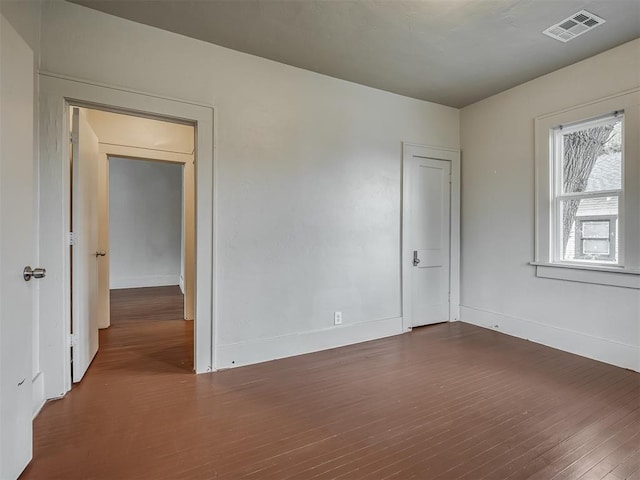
(574, 26)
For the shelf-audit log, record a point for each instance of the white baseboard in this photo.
(181, 283)
(597, 348)
(144, 281)
(247, 353)
(37, 394)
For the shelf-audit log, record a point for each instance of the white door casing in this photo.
(188, 225)
(56, 92)
(17, 250)
(187, 228)
(430, 235)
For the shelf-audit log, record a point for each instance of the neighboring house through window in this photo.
(596, 238)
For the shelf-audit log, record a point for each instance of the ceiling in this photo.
(453, 52)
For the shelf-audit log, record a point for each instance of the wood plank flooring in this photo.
(450, 401)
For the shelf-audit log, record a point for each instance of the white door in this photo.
(430, 240)
(84, 253)
(17, 250)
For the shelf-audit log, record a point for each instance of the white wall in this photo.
(498, 286)
(307, 180)
(25, 18)
(145, 223)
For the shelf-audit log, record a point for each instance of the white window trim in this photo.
(614, 276)
(627, 273)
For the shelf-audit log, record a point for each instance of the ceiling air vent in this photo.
(574, 26)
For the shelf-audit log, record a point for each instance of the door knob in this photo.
(416, 260)
(100, 253)
(28, 273)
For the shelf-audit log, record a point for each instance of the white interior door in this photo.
(17, 250)
(430, 240)
(84, 257)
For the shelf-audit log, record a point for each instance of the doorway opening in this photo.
(57, 93)
(132, 247)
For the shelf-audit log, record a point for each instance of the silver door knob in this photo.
(28, 273)
(416, 260)
(100, 253)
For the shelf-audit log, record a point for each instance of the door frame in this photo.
(187, 162)
(409, 151)
(57, 93)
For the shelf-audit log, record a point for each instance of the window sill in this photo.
(596, 274)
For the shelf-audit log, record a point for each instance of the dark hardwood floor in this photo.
(451, 401)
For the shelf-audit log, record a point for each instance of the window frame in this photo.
(613, 228)
(559, 196)
(626, 273)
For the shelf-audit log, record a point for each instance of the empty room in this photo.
(402, 239)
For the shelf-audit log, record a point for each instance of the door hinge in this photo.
(73, 340)
(73, 138)
(72, 238)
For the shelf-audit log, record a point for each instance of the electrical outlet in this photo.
(337, 318)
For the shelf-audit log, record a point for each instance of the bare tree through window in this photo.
(581, 150)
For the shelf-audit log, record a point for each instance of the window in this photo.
(596, 238)
(588, 183)
(587, 205)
